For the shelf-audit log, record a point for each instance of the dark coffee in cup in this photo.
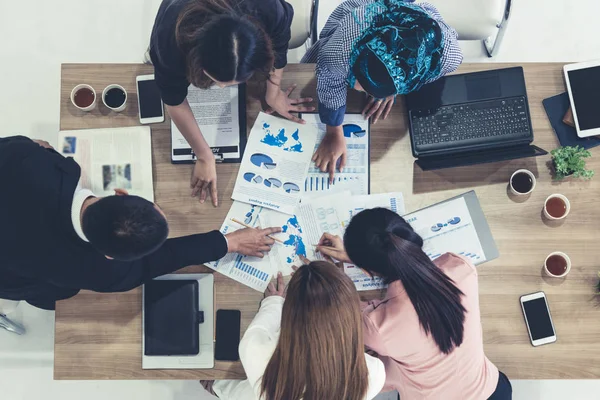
(115, 98)
(522, 182)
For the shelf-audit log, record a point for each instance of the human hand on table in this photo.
(378, 107)
(332, 247)
(204, 178)
(332, 148)
(278, 289)
(251, 242)
(279, 101)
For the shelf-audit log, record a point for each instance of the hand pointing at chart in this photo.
(251, 242)
(331, 149)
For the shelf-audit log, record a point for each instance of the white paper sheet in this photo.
(285, 255)
(253, 272)
(355, 176)
(217, 113)
(114, 158)
(447, 227)
(282, 255)
(351, 207)
(319, 215)
(275, 163)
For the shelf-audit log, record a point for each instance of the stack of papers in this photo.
(271, 190)
(274, 177)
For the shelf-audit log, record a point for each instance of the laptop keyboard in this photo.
(471, 124)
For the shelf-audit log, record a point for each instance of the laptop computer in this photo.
(472, 118)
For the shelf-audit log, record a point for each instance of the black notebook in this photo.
(171, 318)
(556, 107)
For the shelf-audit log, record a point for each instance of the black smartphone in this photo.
(228, 335)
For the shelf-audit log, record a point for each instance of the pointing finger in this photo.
(214, 193)
(271, 230)
(331, 171)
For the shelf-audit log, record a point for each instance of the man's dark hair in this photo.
(124, 227)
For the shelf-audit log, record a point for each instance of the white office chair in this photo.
(484, 20)
(6, 307)
(304, 24)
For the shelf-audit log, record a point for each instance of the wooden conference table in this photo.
(98, 336)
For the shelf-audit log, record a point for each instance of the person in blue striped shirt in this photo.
(382, 47)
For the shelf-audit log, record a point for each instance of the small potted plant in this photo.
(570, 161)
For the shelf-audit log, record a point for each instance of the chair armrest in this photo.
(472, 19)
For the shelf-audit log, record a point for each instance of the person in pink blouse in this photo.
(427, 330)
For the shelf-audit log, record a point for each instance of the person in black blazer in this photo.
(56, 238)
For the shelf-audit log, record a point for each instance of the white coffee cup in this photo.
(525, 171)
(76, 89)
(115, 86)
(565, 257)
(564, 199)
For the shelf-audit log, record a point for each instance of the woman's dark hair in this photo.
(217, 38)
(383, 243)
(124, 227)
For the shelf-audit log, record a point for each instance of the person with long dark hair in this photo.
(427, 330)
(306, 342)
(223, 43)
(384, 48)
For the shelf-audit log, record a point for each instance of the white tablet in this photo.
(583, 84)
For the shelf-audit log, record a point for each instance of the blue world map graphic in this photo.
(282, 140)
(294, 231)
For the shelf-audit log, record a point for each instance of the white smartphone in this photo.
(537, 318)
(149, 101)
(583, 85)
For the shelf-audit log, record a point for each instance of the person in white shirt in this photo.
(306, 342)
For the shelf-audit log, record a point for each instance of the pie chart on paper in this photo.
(291, 188)
(353, 130)
(248, 176)
(262, 160)
(274, 182)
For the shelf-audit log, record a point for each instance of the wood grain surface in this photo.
(98, 336)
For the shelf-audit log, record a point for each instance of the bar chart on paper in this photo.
(247, 273)
(355, 175)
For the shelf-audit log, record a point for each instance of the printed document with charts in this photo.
(355, 176)
(275, 164)
(258, 272)
(112, 158)
(448, 227)
(332, 213)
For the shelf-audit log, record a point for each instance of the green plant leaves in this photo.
(570, 160)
